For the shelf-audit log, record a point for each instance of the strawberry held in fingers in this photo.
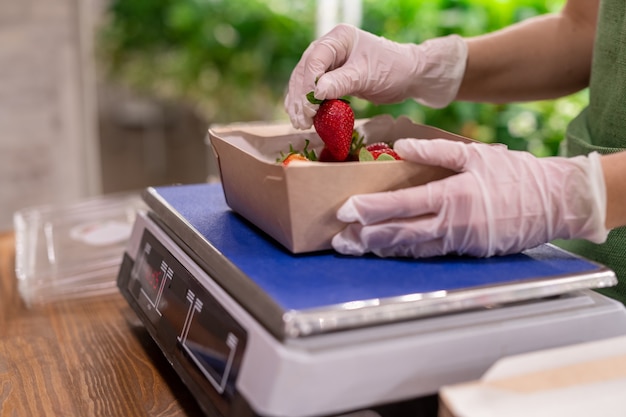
(334, 123)
(327, 156)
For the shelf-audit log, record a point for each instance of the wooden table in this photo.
(89, 357)
(94, 357)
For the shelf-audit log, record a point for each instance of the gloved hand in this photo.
(350, 61)
(500, 202)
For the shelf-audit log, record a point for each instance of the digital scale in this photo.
(254, 330)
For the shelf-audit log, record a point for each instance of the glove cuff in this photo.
(582, 196)
(596, 230)
(440, 70)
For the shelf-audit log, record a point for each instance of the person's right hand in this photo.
(350, 61)
(500, 202)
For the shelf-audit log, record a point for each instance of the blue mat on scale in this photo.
(312, 281)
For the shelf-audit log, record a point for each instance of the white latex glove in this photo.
(500, 202)
(350, 61)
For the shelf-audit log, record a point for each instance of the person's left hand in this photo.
(500, 202)
(351, 61)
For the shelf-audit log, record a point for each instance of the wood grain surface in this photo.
(89, 357)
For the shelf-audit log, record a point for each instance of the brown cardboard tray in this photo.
(297, 204)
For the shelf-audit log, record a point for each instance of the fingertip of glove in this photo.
(301, 119)
(330, 85)
(401, 144)
(322, 88)
(347, 242)
(347, 213)
(298, 121)
(303, 123)
(407, 147)
(441, 152)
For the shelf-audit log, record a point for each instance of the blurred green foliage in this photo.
(232, 59)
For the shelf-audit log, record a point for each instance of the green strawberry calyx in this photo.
(367, 156)
(311, 97)
(306, 152)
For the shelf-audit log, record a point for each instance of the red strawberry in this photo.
(334, 123)
(377, 146)
(326, 156)
(305, 155)
(388, 151)
(294, 157)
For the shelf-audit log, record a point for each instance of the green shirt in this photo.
(601, 127)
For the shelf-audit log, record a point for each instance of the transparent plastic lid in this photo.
(74, 250)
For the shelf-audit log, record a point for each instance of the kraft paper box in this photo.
(582, 380)
(297, 204)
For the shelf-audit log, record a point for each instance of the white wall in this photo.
(48, 144)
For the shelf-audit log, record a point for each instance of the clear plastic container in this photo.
(74, 250)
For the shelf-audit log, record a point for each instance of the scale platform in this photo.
(255, 330)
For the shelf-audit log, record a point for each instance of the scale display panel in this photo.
(196, 330)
